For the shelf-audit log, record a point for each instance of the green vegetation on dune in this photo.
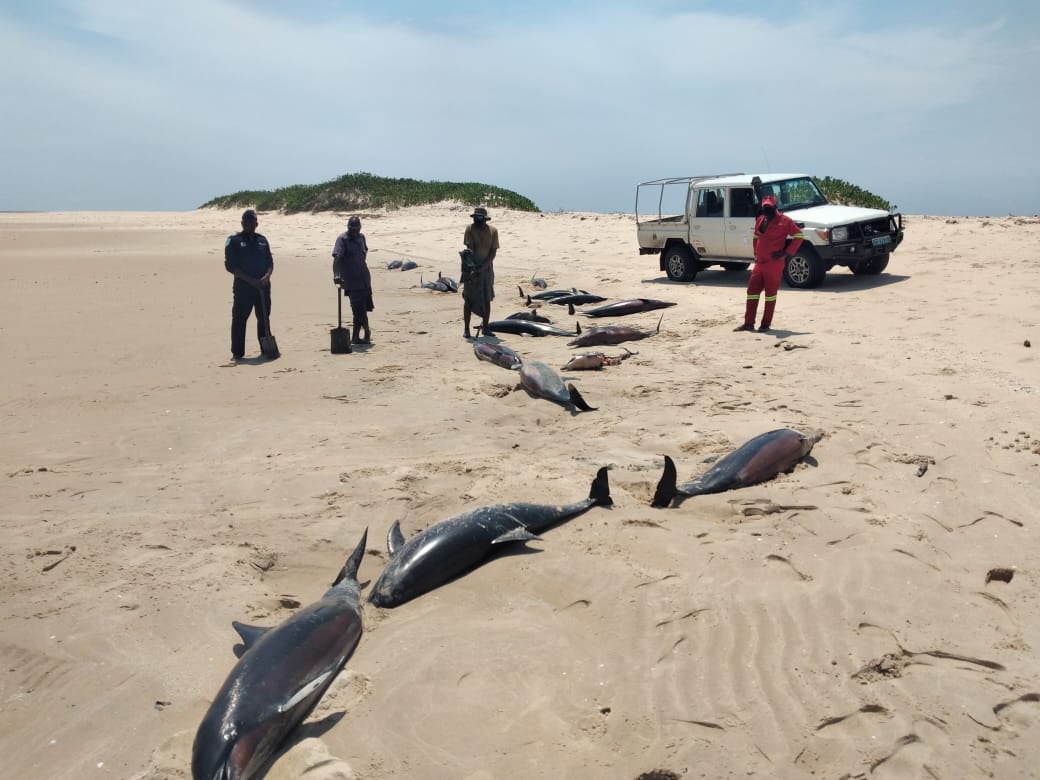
(358, 191)
(838, 191)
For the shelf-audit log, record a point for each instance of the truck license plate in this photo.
(881, 240)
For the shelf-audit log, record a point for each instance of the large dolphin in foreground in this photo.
(281, 675)
(453, 546)
(758, 460)
(542, 381)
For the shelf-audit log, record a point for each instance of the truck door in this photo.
(740, 222)
(708, 225)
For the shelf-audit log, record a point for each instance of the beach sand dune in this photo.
(842, 620)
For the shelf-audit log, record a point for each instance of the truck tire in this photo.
(679, 263)
(804, 270)
(873, 266)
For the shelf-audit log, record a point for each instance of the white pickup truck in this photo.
(694, 222)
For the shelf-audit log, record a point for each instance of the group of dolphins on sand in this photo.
(283, 672)
(539, 379)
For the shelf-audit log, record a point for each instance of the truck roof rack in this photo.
(690, 179)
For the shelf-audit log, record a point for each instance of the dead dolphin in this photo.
(537, 281)
(540, 380)
(448, 282)
(453, 546)
(630, 306)
(546, 295)
(576, 299)
(533, 316)
(526, 327)
(591, 361)
(408, 265)
(758, 460)
(611, 334)
(499, 354)
(281, 675)
(394, 264)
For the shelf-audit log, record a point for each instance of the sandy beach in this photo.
(839, 621)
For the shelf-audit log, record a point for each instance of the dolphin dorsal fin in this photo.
(350, 568)
(394, 537)
(250, 636)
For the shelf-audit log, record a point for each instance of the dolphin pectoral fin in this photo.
(578, 401)
(307, 690)
(250, 636)
(350, 568)
(394, 537)
(666, 486)
(520, 534)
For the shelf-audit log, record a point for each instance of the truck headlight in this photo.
(840, 234)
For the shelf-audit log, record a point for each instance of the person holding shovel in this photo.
(350, 272)
(247, 257)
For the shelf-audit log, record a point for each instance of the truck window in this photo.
(742, 202)
(710, 203)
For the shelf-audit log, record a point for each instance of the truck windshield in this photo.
(790, 194)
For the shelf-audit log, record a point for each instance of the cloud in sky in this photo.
(147, 105)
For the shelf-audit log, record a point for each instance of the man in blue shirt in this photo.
(247, 257)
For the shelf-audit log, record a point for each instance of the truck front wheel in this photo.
(805, 269)
(874, 265)
(679, 263)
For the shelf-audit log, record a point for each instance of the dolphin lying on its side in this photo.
(542, 381)
(758, 460)
(630, 306)
(526, 327)
(611, 334)
(281, 675)
(453, 546)
(499, 354)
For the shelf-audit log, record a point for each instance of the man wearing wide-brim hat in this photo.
(478, 271)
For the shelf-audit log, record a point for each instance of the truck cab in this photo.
(694, 222)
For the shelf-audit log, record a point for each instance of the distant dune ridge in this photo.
(872, 613)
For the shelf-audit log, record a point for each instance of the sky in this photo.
(110, 104)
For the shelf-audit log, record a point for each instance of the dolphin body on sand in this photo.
(542, 381)
(593, 361)
(630, 306)
(611, 334)
(547, 295)
(576, 299)
(281, 675)
(758, 460)
(526, 327)
(453, 546)
(533, 316)
(499, 354)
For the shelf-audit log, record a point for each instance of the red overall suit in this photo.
(771, 251)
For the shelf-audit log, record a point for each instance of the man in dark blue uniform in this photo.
(350, 272)
(247, 257)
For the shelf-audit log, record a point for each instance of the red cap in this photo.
(768, 200)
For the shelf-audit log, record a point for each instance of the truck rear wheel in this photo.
(874, 265)
(679, 263)
(804, 270)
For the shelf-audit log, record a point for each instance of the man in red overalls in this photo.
(772, 229)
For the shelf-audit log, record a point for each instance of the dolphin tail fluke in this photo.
(350, 568)
(600, 490)
(578, 401)
(666, 490)
(394, 537)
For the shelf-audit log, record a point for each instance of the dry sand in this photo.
(835, 622)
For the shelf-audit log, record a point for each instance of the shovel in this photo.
(340, 336)
(268, 346)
